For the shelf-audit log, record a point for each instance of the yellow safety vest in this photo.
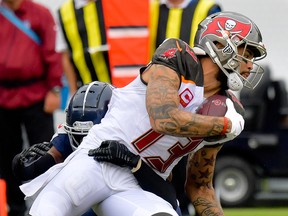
(85, 33)
(176, 22)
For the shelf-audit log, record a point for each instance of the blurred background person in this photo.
(82, 41)
(30, 83)
(99, 46)
(177, 19)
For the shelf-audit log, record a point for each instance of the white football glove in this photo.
(236, 119)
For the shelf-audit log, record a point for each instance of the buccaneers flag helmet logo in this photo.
(229, 25)
(170, 53)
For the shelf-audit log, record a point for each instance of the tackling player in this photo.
(86, 108)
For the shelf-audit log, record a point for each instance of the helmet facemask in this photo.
(234, 64)
(77, 132)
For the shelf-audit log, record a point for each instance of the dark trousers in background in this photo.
(39, 127)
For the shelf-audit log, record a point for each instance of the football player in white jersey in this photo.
(154, 117)
(87, 107)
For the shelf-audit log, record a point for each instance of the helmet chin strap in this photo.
(234, 82)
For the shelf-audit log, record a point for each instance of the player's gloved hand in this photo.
(116, 153)
(236, 119)
(23, 164)
(33, 153)
(237, 127)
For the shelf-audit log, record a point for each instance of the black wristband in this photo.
(43, 164)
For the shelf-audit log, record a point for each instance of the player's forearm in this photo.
(203, 197)
(180, 123)
(199, 181)
(206, 204)
(162, 102)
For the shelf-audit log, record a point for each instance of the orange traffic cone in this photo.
(3, 200)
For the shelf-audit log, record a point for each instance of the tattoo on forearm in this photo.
(208, 208)
(163, 99)
(162, 105)
(209, 161)
(201, 173)
(199, 176)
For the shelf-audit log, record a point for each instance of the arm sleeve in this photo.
(62, 143)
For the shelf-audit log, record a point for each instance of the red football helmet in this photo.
(231, 30)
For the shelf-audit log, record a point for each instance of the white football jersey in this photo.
(128, 121)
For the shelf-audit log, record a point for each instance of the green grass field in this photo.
(269, 211)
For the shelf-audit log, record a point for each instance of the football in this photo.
(213, 106)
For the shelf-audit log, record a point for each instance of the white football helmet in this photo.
(231, 30)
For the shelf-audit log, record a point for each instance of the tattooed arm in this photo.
(199, 186)
(162, 102)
